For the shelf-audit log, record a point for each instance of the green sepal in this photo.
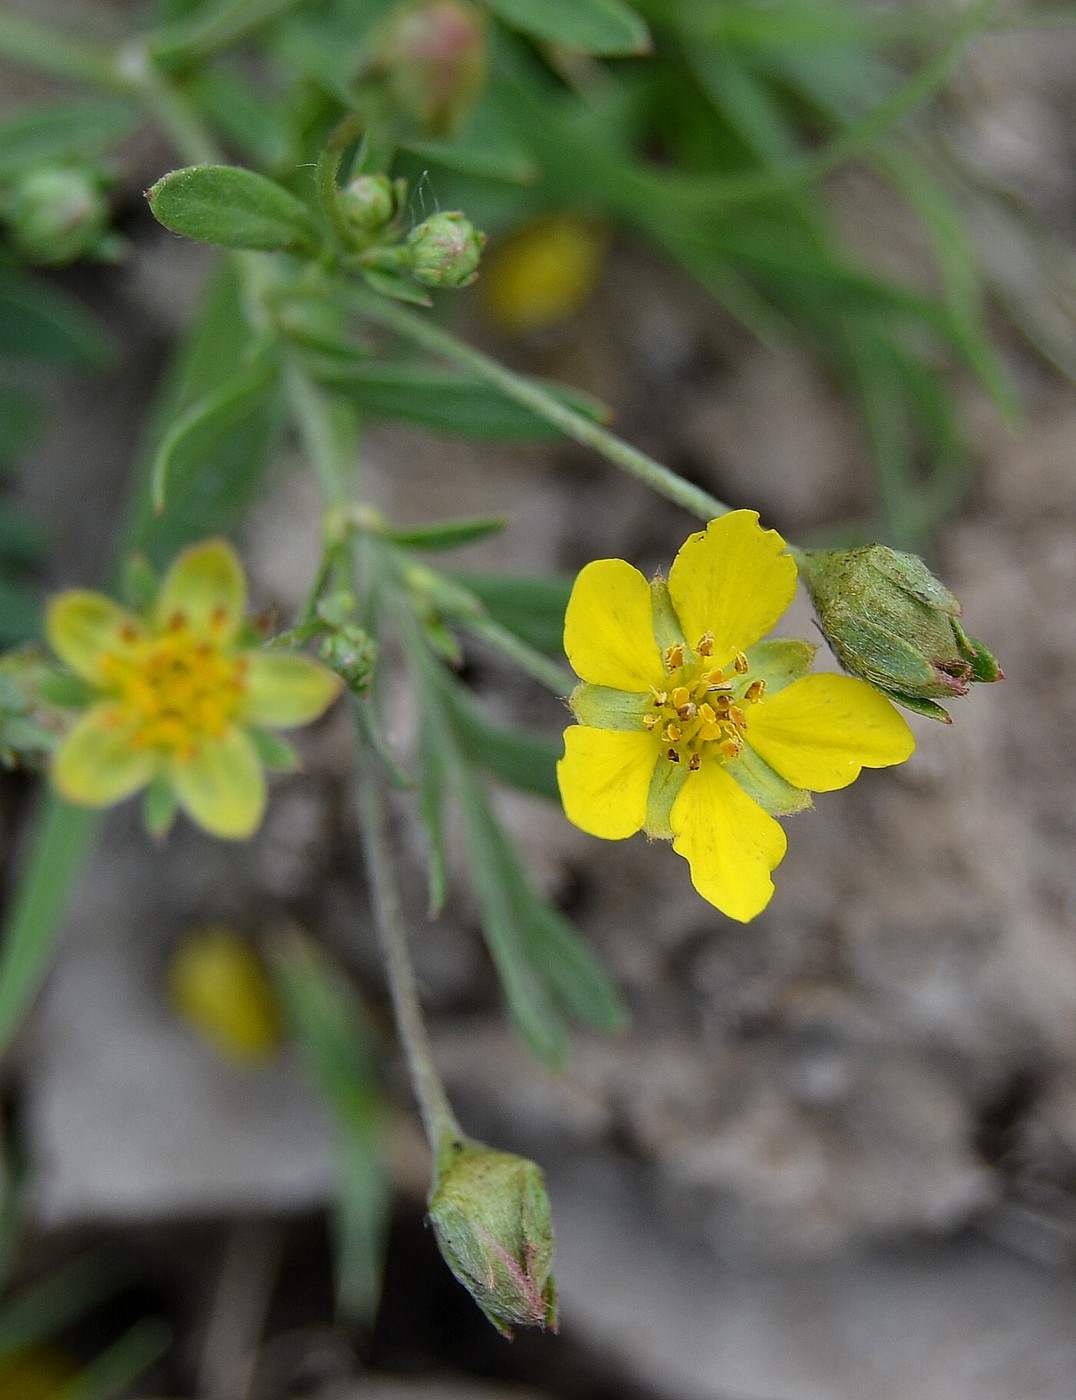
(273, 751)
(66, 690)
(919, 705)
(665, 787)
(232, 208)
(448, 534)
(389, 284)
(159, 806)
(909, 572)
(667, 629)
(139, 585)
(772, 793)
(602, 707)
(779, 662)
(984, 664)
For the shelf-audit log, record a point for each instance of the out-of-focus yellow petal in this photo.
(206, 586)
(82, 627)
(609, 628)
(284, 690)
(223, 787)
(219, 986)
(820, 731)
(97, 764)
(604, 780)
(730, 843)
(732, 579)
(541, 274)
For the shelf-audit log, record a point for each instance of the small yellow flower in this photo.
(542, 273)
(693, 730)
(178, 699)
(218, 984)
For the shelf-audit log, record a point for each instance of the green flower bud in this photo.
(56, 215)
(490, 1214)
(445, 249)
(432, 57)
(890, 621)
(370, 202)
(351, 653)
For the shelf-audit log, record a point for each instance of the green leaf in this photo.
(432, 812)
(208, 425)
(576, 977)
(274, 752)
(396, 287)
(232, 208)
(61, 131)
(524, 761)
(445, 402)
(44, 1308)
(112, 1372)
(532, 608)
(448, 534)
(330, 1028)
(595, 26)
(20, 613)
(39, 320)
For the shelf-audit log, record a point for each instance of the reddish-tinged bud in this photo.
(433, 58)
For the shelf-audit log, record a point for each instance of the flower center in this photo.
(174, 691)
(701, 712)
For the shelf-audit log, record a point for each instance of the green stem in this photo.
(50, 51)
(329, 194)
(524, 391)
(527, 658)
(437, 1117)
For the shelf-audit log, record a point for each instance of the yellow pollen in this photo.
(673, 657)
(174, 691)
(705, 644)
(672, 733)
(698, 717)
(680, 696)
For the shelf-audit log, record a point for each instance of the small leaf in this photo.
(445, 402)
(448, 534)
(274, 752)
(205, 425)
(233, 208)
(431, 810)
(595, 26)
(398, 288)
(524, 761)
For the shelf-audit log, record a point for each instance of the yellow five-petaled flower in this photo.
(691, 728)
(178, 699)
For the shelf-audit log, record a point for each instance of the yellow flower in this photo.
(178, 700)
(218, 984)
(542, 273)
(693, 730)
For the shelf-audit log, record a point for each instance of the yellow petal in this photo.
(820, 731)
(604, 780)
(96, 764)
(284, 689)
(609, 628)
(223, 787)
(205, 586)
(730, 843)
(732, 579)
(83, 626)
(220, 987)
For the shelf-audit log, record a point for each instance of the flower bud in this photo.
(433, 58)
(350, 652)
(891, 622)
(490, 1213)
(445, 249)
(56, 215)
(218, 984)
(370, 202)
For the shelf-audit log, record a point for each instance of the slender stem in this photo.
(540, 401)
(437, 1117)
(317, 430)
(527, 658)
(174, 114)
(329, 193)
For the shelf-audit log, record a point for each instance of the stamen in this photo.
(680, 696)
(755, 691)
(673, 756)
(695, 763)
(672, 733)
(741, 664)
(651, 721)
(688, 711)
(730, 748)
(705, 644)
(673, 657)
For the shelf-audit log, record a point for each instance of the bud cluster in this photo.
(56, 214)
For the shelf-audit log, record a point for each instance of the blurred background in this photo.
(834, 1155)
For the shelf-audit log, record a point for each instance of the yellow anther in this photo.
(660, 697)
(738, 717)
(705, 644)
(680, 696)
(730, 748)
(706, 714)
(672, 733)
(755, 691)
(651, 721)
(710, 731)
(673, 657)
(741, 664)
(695, 763)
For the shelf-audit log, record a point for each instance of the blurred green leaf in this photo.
(595, 26)
(532, 608)
(18, 416)
(330, 1029)
(110, 1373)
(432, 771)
(61, 131)
(39, 320)
(41, 1309)
(524, 761)
(447, 534)
(398, 288)
(233, 208)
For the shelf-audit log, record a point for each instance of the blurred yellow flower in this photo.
(218, 984)
(178, 700)
(542, 273)
(693, 730)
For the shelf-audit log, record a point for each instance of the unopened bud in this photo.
(490, 1213)
(370, 202)
(891, 622)
(351, 653)
(433, 58)
(445, 249)
(218, 984)
(56, 215)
